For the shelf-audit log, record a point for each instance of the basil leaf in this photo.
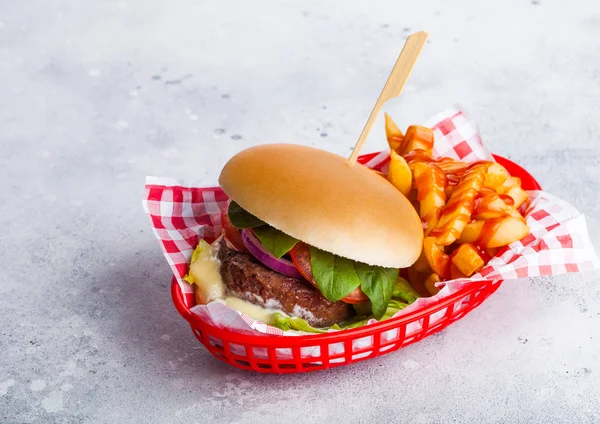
(377, 283)
(274, 240)
(363, 308)
(241, 218)
(335, 276)
(404, 291)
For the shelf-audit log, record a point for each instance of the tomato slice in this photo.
(231, 233)
(300, 255)
(357, 296)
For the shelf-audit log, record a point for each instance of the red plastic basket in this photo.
(288, 354)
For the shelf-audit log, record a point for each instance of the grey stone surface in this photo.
(95, 95)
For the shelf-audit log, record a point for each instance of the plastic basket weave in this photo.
(283, 354)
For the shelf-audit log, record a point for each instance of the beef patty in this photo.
(248, 279)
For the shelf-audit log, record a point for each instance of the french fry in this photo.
(507, 199)
(452, 179)
(413, 198)
(422, 264)
(495, 176)
(493, 205)
(438, 260)
(430, 284)
(468, 210)
(512, 188)
(451, 166)
(417, 280)
(394, 135)
(399, 173)
(508, 183)
(418, 138)
(457, 213)
(430, 183)
(494, 232)
(416, 156)
(456, 273)
(519, 195)
(467, 259)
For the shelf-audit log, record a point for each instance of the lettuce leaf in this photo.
(286, 323)
(404, 291)
(393, 307)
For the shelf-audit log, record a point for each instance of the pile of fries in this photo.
(469, 210)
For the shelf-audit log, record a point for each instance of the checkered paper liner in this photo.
(183, 213)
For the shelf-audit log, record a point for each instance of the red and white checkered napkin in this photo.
(182, 214)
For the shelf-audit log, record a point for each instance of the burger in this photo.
(307, 237)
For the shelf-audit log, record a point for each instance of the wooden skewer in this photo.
(394, 85)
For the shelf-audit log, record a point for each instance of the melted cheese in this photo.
(205, 271)
(207, 276)
(254, 311)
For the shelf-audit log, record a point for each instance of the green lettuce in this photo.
(393, 307)
(286, 323)
(404, 291)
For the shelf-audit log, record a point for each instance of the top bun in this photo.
(320, 198)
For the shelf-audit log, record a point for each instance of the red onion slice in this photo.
(283, 266)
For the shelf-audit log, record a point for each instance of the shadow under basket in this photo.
(292, 354)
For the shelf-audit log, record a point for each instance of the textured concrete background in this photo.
(95, 95)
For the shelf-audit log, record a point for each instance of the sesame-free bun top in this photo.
(323, 200)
